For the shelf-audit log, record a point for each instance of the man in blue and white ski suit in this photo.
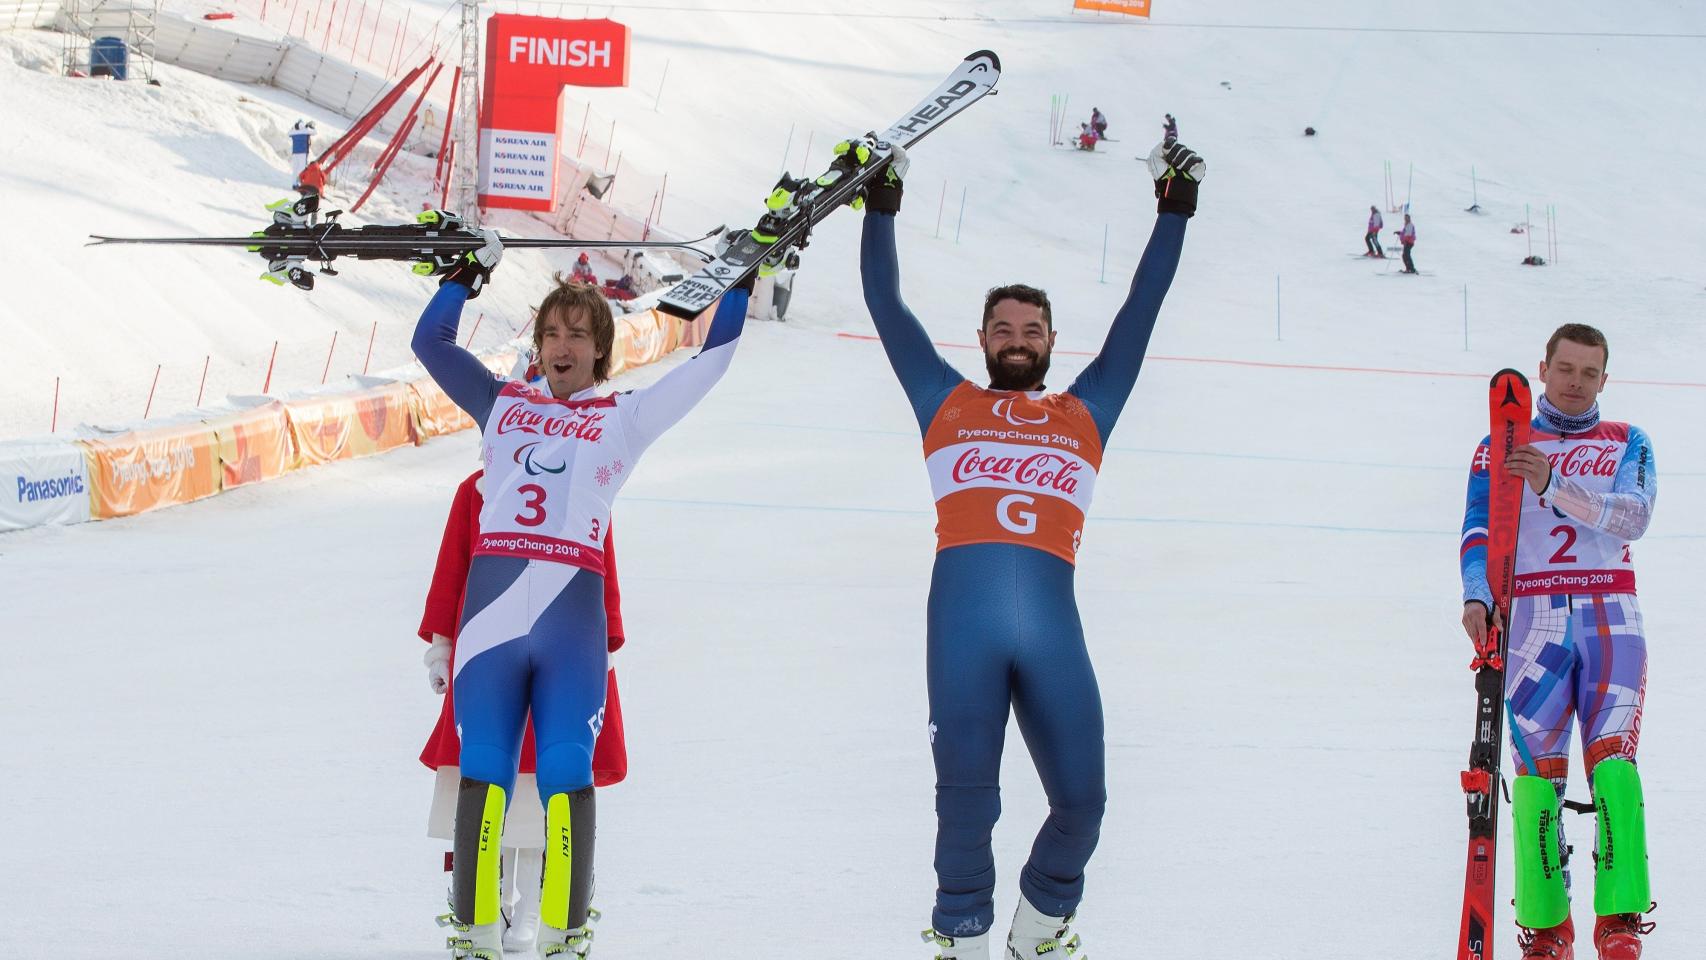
(533, 633)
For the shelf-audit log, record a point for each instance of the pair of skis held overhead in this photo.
(795, 207)
(799, 205)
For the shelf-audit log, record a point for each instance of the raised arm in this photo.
(460, 373)
(654, 409)
(1106, 383)
(925, 376)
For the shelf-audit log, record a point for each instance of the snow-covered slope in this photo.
(214, 710)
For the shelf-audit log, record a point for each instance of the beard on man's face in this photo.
(1007, 371)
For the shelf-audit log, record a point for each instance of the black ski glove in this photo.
(1176, 169)
(883, 193)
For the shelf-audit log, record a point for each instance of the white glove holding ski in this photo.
(437, 660)
(475, 268)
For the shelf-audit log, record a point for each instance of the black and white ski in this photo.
(324, 242)
(812, 200)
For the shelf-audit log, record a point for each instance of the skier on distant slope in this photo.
(1012, 469)
(533, 631)
(1371, 239)
(1407, 237)
(1576, 643)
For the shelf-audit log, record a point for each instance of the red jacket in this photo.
(444, 613)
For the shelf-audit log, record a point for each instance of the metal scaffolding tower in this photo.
(130, 22)
(467, 173)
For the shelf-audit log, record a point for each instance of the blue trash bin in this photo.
(108, 57)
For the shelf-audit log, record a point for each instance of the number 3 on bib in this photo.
(533, 511)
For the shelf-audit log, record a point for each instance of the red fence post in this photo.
(150, 404)
(327, 372)
(267, 386)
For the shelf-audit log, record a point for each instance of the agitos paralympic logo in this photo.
(524, 456)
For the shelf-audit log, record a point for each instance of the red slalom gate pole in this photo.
(370, 335)
(449, 121)
(941, 205)
(327, 372)
(470, 344)
(609, 144)
(267, 386)
(378, 18)
(53, 425)
(203, 388)
(449, 171)
(360, 18)
(662, 192)
(326, 42)
(150, 405)
(806, 157)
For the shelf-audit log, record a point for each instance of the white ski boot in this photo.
(958, 948)
(476, 942)
(1036, 936)
(523, 899)
(573, 944)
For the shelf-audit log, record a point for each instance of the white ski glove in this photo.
(475, 268)
(437, 660)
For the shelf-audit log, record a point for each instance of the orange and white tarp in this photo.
(347, 425)
(254, 444)
(643, 338)
(1135, 8)
(435, 413)
(155, 467)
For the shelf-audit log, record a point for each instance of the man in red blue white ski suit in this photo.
(1577, 650)
(533, 632)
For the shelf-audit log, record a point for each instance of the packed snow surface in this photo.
(212, 713)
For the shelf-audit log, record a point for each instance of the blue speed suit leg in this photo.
(1004, 630)
(533, 635)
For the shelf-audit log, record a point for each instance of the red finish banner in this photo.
(528, 62)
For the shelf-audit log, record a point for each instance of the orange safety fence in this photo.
(434, 412)
(254, 444)
(157, 467)
(643, 338)
(342, 426)
(1135, 8)
(140, 470)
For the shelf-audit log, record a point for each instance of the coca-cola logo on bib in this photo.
(1042, 470)
(1586, 460)
(577, 424)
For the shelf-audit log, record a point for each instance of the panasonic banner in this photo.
(528, 62)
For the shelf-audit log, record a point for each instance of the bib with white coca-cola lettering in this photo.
(552, 470)
(1557, 553)
(1009, 467)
